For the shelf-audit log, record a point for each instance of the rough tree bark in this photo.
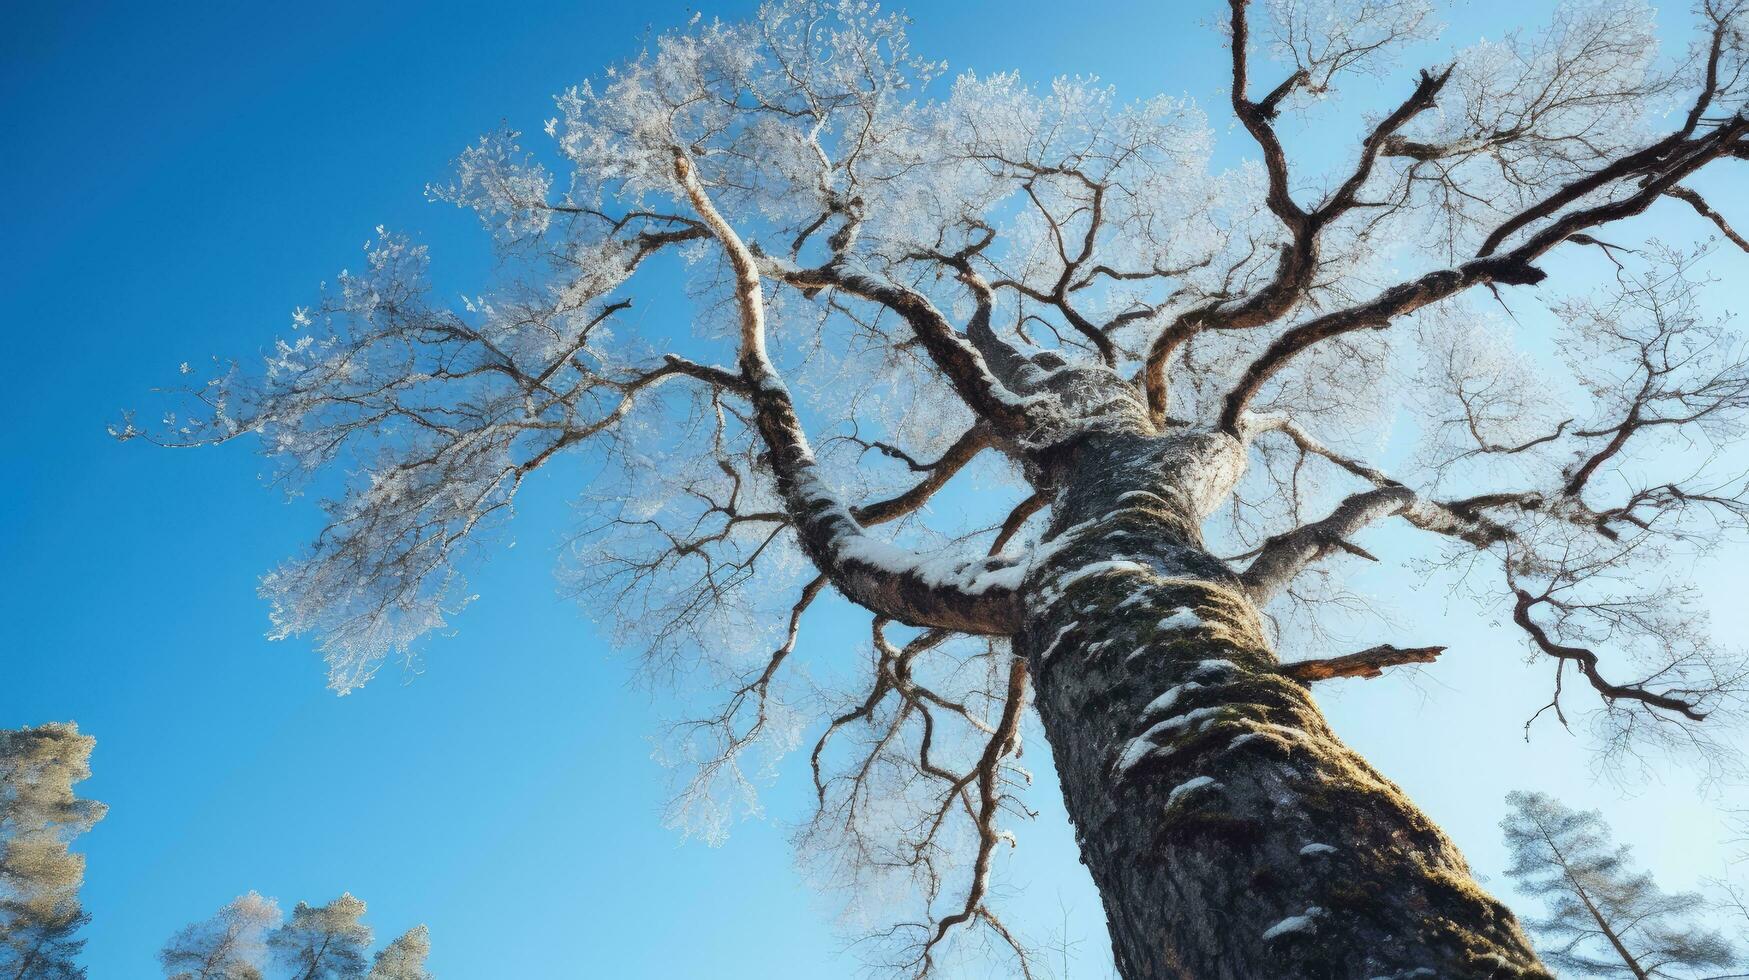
(1231, 834)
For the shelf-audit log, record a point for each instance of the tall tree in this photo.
(323, 942)
(404, 959)
(1164, 375)
(40, 914)
(1604, 918)
(229, 946)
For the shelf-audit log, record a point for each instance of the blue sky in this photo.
(180, 176)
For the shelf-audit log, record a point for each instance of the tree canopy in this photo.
(318, 942)
(228, 946)
(903, 282)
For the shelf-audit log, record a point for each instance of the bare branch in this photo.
(1679, 702)
(1300, 255)
(1370, 662)
(1284, 556)
(1669, 165)
(976, 440)
(1693, 199)
(961, 362)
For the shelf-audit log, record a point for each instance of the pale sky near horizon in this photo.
(182, 175)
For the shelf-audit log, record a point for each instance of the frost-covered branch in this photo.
(1615, 187)
(1283, 557)
(967, 596)
(908, 744)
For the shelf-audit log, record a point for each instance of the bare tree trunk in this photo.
(1231, 834)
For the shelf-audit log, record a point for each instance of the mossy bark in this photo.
(1231, 834)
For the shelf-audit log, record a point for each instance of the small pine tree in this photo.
(404, 959)
(323, 942)
(228, 946)
(40, 915)
(1604, 918)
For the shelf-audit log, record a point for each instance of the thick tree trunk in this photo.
(1231, 834)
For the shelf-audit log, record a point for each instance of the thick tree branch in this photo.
(1257, 116)
(1284, 556)
(1299, 257)
(964, 365)
(1017, 518)
(1510, 268)
(886, 579)
(964, 449)
(708, 374)
(1586, 661)
(1370, 662)
(1346, 197)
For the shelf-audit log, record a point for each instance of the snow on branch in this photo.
(1284, 556)
(438, 416)
(970, 596)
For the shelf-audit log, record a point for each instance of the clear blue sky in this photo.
(178, 176)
